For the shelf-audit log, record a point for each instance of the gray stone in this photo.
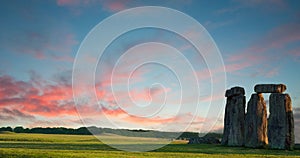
(233, 134)
(204, 140)
(281, 122)
(270, 88)
(256, 122)
(235, 91)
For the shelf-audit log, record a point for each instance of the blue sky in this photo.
(258, 40)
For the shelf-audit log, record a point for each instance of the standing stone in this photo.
(256, 122)
(234, 117)
(281, 122)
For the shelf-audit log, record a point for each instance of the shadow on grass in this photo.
(171, 148)
(57, 146)
(218, 149)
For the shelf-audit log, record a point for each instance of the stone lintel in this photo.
(235, 91)
(270, 88)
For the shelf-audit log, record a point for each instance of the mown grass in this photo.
(49, 145)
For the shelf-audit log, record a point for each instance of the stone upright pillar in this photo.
(281, 122)
(234, 117)
(256, 122)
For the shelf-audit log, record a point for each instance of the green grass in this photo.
(50, 145)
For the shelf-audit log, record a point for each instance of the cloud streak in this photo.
(40, 102)
(262, 51)
(43, 46)
(77, 6)
(264, 5)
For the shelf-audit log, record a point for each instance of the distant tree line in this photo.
(98, 130)
(48, 130)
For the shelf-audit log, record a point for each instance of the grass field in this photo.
(49, 145)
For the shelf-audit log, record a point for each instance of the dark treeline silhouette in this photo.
(98, 130)
(48, 130)
(8, 129)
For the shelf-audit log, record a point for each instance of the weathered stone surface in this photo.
(256, 122)
(234, 120)
(235, 91)
(281, 122)
(270, 88)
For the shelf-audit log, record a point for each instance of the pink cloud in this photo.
(115, 6)
(212, 98)
(54, 100)
(104, 83)
(43, 99)
(279, 37)
(29, 101)
(38, 97)
(152, 121)
(76, 6)
(282, 35)
(294, 52)
(259, 53)
(266, 72)
(237, 66)
(148, 94)
(180, 119)
(264, 5)
(105, 78)
(203, 74)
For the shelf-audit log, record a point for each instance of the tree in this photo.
(9, 129)
(19, 129)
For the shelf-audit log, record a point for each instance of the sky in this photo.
(259, 42)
